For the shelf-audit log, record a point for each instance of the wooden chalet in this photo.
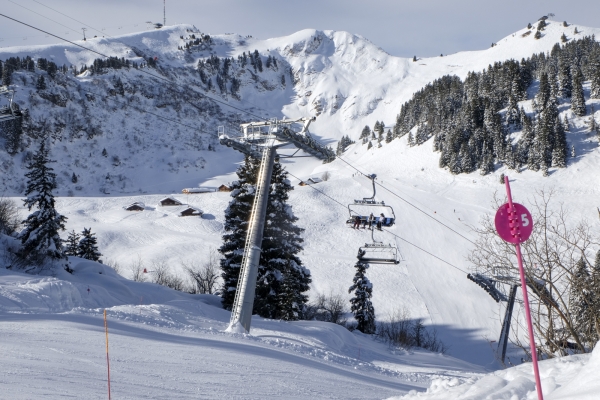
(189, 211)
(169, 201)
(135, 207)
(224, 188)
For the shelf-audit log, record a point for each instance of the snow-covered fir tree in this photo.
(360, 304)
(581, 303)
(578, 99)
(282, 279)
(88, 246)
(72, 244)
(40, 236)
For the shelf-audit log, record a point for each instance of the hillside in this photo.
(349, 83)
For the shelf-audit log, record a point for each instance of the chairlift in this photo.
(378, 253)
(11, 111)
(370, 203)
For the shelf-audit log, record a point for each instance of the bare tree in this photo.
(163, 276)
(550, 257)
(9, 216)
(331, 308)
(205, 277)
(137, 270)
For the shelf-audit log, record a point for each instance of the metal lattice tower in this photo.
(261, 140)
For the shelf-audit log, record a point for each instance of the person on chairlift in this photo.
(380, 222)
(356, 222)
(371, 219)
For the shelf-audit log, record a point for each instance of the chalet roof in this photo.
(170, 198)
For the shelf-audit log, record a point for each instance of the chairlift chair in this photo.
(8, 112)
(370, 202)
(378, 253)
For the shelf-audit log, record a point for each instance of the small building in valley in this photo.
(137, 206)
(170, 201)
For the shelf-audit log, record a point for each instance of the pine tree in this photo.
(578, 99)
(104, 153)
(41, 83)
(560, 151)
(282, 279)
(361, 305)
(595, 87)
(543, 95)
(581, 303)
(40, 236)
(388, 136)
(72, 244)
(88, 246)
(74, 178)
(7, 74)
(366, 132)
(369, 145)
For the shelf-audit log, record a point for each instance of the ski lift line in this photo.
(41, 15)
(91, 27)
(385, 230)
(146, 72)
(408, 202)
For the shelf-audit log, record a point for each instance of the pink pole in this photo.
(515, 224)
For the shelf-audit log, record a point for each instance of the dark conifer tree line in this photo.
(471, 121)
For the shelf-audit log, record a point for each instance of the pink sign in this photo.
(513, 226)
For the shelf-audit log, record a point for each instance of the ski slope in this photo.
(349, 83)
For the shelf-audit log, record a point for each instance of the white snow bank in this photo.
(572, 377)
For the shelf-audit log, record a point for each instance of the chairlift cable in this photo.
(385, 230)
(41, 15)
(141, 70)
(246, 112)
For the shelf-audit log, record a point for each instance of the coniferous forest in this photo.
(473, 122)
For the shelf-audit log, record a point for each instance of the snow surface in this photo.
(49, 321)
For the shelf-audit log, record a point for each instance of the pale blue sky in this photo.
(401, 27)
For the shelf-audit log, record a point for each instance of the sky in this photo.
(400, 27)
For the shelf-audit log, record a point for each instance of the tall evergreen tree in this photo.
(361, 305)
(282, 279)
(40, 237)
(560, 150)
(543, 94)
(72, 244)
(565, 79)
(88, 246)
(581, 303)
(578, 99)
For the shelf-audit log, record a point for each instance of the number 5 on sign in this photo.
(513, 227)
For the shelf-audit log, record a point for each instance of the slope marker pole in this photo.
(515, 225)
(107, 361)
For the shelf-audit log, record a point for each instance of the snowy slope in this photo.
(166, 344)
(370, 85)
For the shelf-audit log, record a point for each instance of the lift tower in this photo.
(261, 140)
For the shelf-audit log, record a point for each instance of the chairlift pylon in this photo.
(378, 252)
(370, 202)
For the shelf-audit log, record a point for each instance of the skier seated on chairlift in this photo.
(371, 219)
(380, 222)
(356, 222)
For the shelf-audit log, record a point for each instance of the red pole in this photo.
(107, 361)
(515, 231)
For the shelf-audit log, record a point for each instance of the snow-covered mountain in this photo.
(346, 81)
(343, 79)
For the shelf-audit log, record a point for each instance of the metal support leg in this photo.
(503, 341)
(241, 315)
